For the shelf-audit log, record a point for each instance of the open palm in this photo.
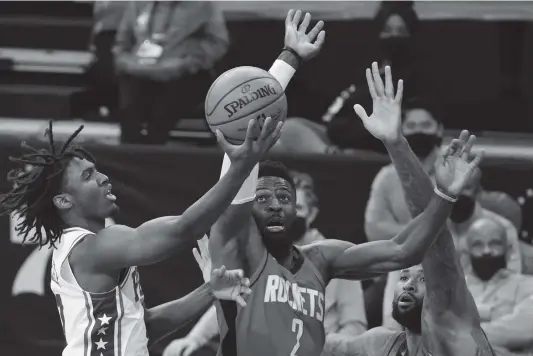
(307, 45)
(456, 164)
(385, 121)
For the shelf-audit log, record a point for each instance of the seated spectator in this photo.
(345, 313)
(165, 56)
(340, 130)
(503, 296)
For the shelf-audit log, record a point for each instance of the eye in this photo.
(284, 198)
(403, 278)
(260, 199)
(422, 279)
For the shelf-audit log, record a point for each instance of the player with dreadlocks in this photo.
(62, 202)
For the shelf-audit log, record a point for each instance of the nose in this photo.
(274, 205)
(103, 180)
(409, 287)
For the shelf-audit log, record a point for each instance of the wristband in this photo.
(444, 196)
(283, 72)
(294, 53)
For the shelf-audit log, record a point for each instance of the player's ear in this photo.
(63, 201)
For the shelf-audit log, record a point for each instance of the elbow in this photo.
(407, 257)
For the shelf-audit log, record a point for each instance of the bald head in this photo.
(487, 236)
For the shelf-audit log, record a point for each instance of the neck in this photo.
(91, 225)
(282, 253)
(414, 341)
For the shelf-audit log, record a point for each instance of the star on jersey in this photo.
(102, 330)
(104, 320)
(101, 344)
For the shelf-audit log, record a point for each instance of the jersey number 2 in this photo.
(298, 328)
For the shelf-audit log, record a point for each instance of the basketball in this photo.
(239, 95)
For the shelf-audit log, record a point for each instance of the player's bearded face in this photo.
(274, 209)
(409, 299)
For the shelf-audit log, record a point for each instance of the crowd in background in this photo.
(149, 53)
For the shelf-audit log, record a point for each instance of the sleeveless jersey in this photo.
(97, 324)
(283, 316)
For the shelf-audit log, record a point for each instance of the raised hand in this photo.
(230, 285)
(385, 121)
(306, 45)
(203, 258)
(253, 148)
(456, 164)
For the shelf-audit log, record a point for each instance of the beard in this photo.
(411, 318)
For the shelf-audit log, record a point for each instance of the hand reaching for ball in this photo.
(307, 45)
(252, 150)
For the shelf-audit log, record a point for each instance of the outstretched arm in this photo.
(349, 261)
(449, 306)
(229, 243)
(119, 246)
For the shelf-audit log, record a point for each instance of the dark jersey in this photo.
(283, 316)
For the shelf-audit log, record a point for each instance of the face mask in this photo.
(486, 267)
(298, 229)
(396, 48)
(423, 144)
(463, 209)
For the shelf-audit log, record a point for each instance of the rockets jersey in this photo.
(97, 324)
(283, 315)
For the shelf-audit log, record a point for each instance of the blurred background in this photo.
(468, 62)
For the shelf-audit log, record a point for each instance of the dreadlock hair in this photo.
(275, 169)
(34, 189)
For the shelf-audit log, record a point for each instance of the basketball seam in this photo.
(232, 89)
(250, 113)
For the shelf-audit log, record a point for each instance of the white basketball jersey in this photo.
(97, 324)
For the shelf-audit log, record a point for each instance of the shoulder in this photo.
(525, 283)
(92, 243)
(386, 174)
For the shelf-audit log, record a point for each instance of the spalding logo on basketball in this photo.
(242, 94)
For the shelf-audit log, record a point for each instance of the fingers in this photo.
(477, 160)
(361, 112)
(288, 19)
(399, 92)
(320, 40)
(315, 31)
(203, 245)
(296, 18)
(222, 140)
(219, 272)
(378, 83)
(245, 290)
(197, 256)
(274, 137)
(250, 132)
(465, 154)
(268, 128)
(371, 86)
(305, 23)
(389, 87)
(240, 301)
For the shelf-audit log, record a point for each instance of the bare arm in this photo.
(169, 317)
(349, 261)
(380, 224)
(119, 246)
(449, 305)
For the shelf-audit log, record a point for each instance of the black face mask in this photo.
(397, 49)
(298, 229)
(486, 266)
(463, 209)
(422, 144)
